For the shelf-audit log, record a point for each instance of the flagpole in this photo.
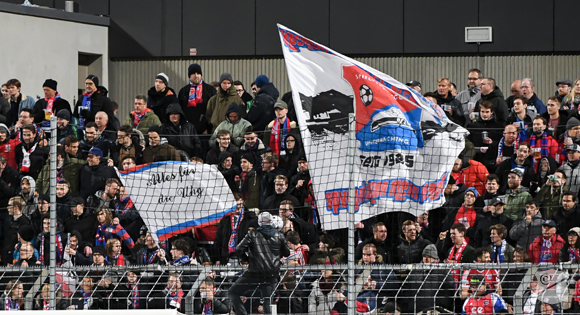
(351, 206)
(53, 165)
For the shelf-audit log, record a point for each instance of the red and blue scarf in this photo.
(195, 93)
(137, 117)
(545, 149)
(232, 243)
(86, 103)
(275, 144)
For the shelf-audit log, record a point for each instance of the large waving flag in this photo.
(174, 197)
(406, 146)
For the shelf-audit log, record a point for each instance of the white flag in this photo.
(173, 197)
(405, 147)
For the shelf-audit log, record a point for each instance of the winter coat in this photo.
(26, 101)
(263, 248)
(473, 174)
(457, 116)
(10, 235)
(119, 151)
(508, 255)
(282, 145)
(538, 104)
(262, 110)
(561, 127)
(411, 252)
(94, 178)
(257, 150)
(236, 129)
(150, 119)
(535, 249)
(289, 160)
(9, 184)
(250, 189)
(213, 155)
(159, 101)
(196, 114)
(86, 145)
(515, 202)
(565, 220)
(37, 158)
(71, 168)
(572, 171)
(85, 224)
(183, 136)
(40, 106)
(504, 168)
(550, 198)
(498, 105)
(218, 105)
(99, 102)
(424, 288)
(565, 255)
(524, 232)
(272, 203)
(541, 178)
(161, 152)
(72, 129)
(224, 230)
(482, 237)
(383, 248)
(231, 173)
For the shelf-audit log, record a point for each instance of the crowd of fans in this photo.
(511, 196)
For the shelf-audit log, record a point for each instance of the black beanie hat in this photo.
(163, 77)
(226, 76)
(50, 83)
(93, 78)
(193, 68)
(572, 122)
(26, 232)
(249, 157)
(63, 114)
(155, 128)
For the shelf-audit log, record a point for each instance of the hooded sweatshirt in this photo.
(219, 103)
(31, 199)
(236, 129)
(183, 135)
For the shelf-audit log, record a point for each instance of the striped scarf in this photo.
(501, 144)
(59, 249)
(545, 150)
(134, 296)
(12, 305)
(275, 144)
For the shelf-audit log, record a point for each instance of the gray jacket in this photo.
(572, 175)
(468, 98)
(524, 232)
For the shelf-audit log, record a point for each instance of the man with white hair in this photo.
(529, 92)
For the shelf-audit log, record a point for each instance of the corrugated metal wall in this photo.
(129, 78)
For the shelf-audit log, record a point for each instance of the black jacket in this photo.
(458, 116)
(5, 112)
(159, 101)
(561, 127)
(9, 185)
(11, 237)
(230, 173)
(196, 114)
(289, 161)
(262, 111)
(504, 168)
(213, 154)
(565, 220)
(224, 230)
(411, 252)
(100, 142)
(272, 203)
(85, 224)
(482, 237)
(263, 248)
(424, 288)
(498, 106)
(99, 102)
(37, 158)
(40, 105)
(94, 178)
(183, 136)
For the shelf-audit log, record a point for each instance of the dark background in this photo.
(169, 28)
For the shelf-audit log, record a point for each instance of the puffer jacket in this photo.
(217, 106)
(566, 219)
(263, 248)
(473, 174)
(572, 171)
(515, 202)
(183, 136)
(236, 129)
(160, 101)
(524, 232)
(262, 110)
(411, 252)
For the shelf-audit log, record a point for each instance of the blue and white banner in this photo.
(405, 148)
(173, 197)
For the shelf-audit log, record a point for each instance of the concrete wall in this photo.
(36, 48)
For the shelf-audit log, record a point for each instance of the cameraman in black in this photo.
(262, 249)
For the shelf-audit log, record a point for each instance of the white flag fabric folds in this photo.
(174, 197)
(405, 148)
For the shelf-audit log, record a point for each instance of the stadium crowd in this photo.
(511, 197)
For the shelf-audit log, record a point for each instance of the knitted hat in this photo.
(473, 190)
(265, 218)
(50, 83)
(226, 76)
(431, 251)
(4, 128)
(193, 68)
(163, 77)
(63, 114)
(100, 250)
(249, 157)
(517, 171)
(572, 122)
(155, 128)
(93, 78)
(261, 80)
(26, 232)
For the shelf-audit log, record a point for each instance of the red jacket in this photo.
(7, 150)
(553, 150)
(475, 175)
(550, 254)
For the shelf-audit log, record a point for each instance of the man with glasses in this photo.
(245, 96)
(469, 97)
(127, 144)
(15, 221)
(224, 144)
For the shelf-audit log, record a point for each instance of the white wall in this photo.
(35, 49)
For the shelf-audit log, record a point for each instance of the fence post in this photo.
(351, 206)
(52, 266)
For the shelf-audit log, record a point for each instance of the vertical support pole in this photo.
(52, 266)
(351, 206)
